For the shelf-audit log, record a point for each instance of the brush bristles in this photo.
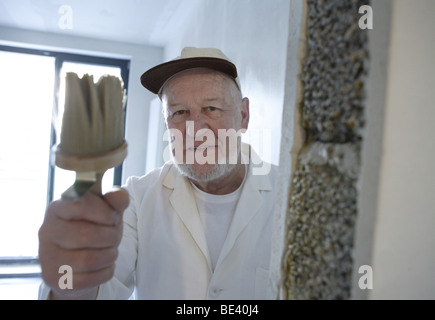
(93, 120)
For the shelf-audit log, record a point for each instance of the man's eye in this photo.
(179, 112)
(210, 108)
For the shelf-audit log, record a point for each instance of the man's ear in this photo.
(245, 113)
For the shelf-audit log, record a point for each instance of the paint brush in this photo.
(92, 132)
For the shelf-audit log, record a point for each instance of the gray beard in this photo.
(216, 171)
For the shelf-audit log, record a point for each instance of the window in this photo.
(30, 82)
(25, 140)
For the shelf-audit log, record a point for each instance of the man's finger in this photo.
(90, 208)
(118, 199)
(81, 234)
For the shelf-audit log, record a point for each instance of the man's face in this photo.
(201, 105)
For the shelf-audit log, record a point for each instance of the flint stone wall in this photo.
(322, 208)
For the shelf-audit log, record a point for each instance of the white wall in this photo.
(404, 244)
(142, 58)
(371, 153)
(253, 34)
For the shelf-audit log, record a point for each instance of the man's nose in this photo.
(196, 122)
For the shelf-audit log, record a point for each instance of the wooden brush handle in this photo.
(96, 165)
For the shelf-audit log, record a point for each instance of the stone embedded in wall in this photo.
(345, 157)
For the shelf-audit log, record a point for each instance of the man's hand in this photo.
(84, 235)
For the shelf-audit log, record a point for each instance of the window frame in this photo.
(61, 57)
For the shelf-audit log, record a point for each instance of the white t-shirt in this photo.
(216, 213)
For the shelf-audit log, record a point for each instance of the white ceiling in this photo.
(145, 22)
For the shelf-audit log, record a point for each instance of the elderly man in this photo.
(199, 227)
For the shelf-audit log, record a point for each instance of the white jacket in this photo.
(164, 255)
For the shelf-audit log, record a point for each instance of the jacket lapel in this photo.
(184, 204)
(248, 206)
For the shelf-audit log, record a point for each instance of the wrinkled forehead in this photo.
(198, 76)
